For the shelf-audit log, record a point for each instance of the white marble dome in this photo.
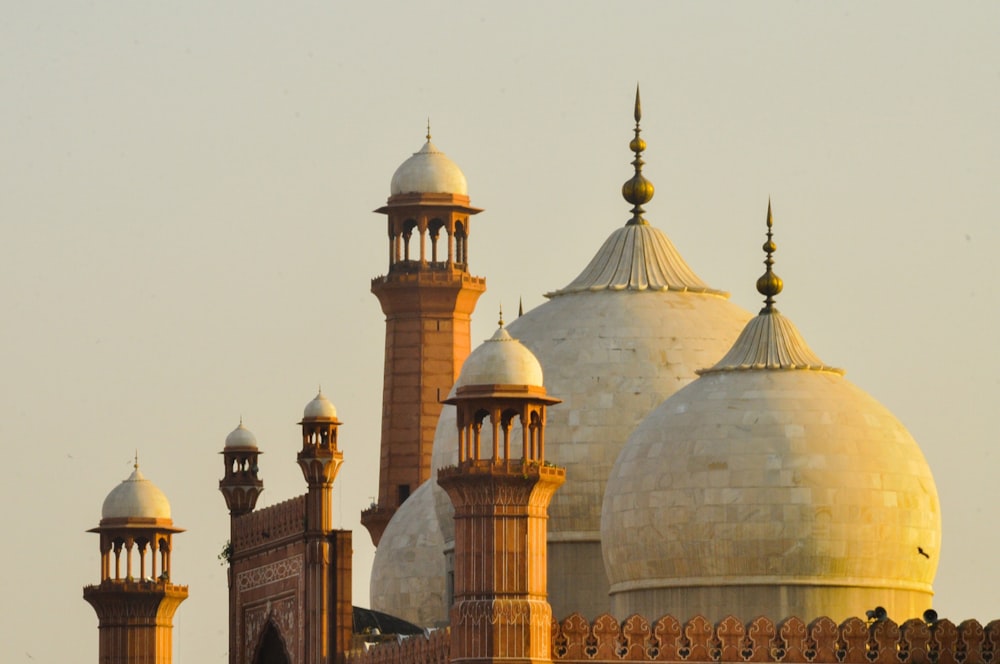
(428, 171)
(772, 486)
(628, 332)
(319, 408)
(241, 437)
(500, 360)
(136, 498)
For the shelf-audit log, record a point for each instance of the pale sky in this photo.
(185, 203)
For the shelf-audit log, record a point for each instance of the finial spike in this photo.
(428, 129)
(520, 307)
(500, 322)
(769, 283)
(136, 465)
(638, 190)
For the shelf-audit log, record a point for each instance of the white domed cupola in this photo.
(428, 171)
(136, 498)
(771, 486)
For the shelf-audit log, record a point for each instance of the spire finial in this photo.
(428, 129)
(520, 307)
(136, 464)
(500, 322)
(769, 283)
(638, 190)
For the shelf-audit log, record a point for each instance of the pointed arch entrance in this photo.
(271, 649)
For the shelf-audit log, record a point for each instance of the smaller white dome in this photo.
(136, 498)
(500, 360)
(319, 408)
(428, 171)
(241, 437)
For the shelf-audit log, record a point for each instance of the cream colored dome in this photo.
(319, 408)
(613, 347)
(136, 498)
(241, 437)
(412, 542)
(500, 360)
(428, 171)
(770, 486)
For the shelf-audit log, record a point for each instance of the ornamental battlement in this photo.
(270, 524)
(854, 641)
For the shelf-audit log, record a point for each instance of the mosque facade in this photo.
(636, 469)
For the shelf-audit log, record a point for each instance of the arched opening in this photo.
(461, 250)
(407, 234)
(434, 230)
(271, 648)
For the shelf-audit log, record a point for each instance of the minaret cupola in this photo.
(241, 485)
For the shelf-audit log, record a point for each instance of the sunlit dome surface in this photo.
(319, 408)
(770, 486)
(428, 171)
(500, 360)
(241, 437)
(137, 498)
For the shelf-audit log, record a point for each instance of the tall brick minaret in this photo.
(135, 600)
(501, 489)
(428, 296)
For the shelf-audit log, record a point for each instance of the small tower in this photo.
(501, 490)
(241, 485)
(428, 296)
(327, 611)
(135, 606)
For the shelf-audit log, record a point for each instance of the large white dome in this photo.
(770, 486)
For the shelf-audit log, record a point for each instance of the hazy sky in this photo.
(185, 203)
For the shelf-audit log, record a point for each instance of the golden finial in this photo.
(769, 283)
(520, 307)
(428, 129)
(136, 464)
(500, 322)
(638, 190)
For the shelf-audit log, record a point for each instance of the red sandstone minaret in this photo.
(428, 297)
(327, 612)
(501, 490)
(135, 606)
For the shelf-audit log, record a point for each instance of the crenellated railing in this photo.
(429, 648)
(698, 641)
(270, 524)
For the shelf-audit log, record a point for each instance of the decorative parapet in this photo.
(428, 648)
(854, 641)
(272, 524)
(698, 641)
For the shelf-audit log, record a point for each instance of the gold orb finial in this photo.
(428, 129)
(769, 283)
(637, 190)
(500, 321)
